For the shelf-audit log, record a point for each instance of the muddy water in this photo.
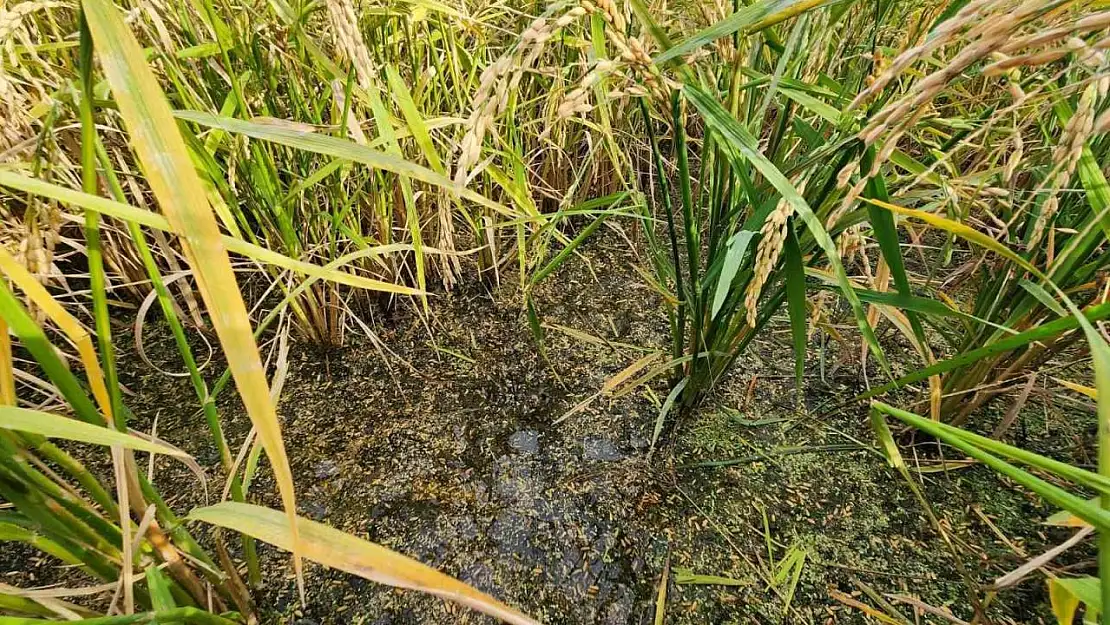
(454, 459)
(463, 470)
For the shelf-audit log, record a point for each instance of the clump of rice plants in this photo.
(1038, 189)
(130, 539)
(779, 175)
(926, 176)
(747, 186)
(262, 87)
(1035, 271)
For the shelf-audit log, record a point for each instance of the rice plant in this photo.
(130, 539)
(922, 176)
(408, 80)
(1039, 300)
(806, 166)
(1050, 210)
(749, 169)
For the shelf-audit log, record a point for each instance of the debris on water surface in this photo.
(326, 469)
(462, 468)
(600, 449)
(315, 511)
(526, 442)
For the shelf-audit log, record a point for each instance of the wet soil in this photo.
(449, 452)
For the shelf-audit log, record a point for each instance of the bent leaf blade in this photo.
(342, 551)
(165, 161)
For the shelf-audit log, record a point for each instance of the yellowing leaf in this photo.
(1065, 595)
(661, 596)
(1079, 388)
(961, 230)
(66, 322)
(1064, 518)
(339, 550)
(168, 168)
(126, 212)
(628, 372)
(7, 370)
(886, 440)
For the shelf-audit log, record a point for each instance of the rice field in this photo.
(615, 312)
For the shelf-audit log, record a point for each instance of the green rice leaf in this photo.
(957, 438)
(687, 576)
(886, 234)
(825, 111)
(749, 19)
(160, 596)
(667, 405)
(734, 256)
(339, 148)
(534, 322)
(413, 118)
(56, 426)
(1042, 296)
(735, 135)
(565, 253)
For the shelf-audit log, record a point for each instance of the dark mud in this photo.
(453, 459)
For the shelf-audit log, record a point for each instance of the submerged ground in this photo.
(448, 453)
